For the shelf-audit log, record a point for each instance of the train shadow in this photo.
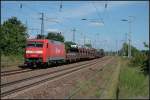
(39, 66)
(22, 66)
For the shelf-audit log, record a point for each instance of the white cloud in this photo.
(97, 24)
(53, 30)
(53, 20)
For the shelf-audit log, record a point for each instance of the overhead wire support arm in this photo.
(60, 7)
(98, 13)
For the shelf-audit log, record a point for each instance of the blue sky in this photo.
(103, 27)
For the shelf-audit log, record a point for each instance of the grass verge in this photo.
(8, 61)
(132, 82)
(100, 85)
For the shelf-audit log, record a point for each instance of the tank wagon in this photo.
(45, 52)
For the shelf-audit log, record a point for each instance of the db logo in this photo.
(57, 51)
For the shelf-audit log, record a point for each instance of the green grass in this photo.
(94, 86)
(8, 61)
(132, 83)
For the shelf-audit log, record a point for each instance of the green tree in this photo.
(55, 36)
(39, 36)
(124, 50)
(146, 45)
(68, 45)
(145, 67)
(88, 45)
(13, 36)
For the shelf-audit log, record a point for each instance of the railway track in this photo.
(16, 71)
(20, 85)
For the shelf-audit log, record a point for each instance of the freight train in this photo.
(44, 52)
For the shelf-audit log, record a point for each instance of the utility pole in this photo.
(95, 42)
(116, 47)
(126, 37)
(84, 39)
(60, 7)
(26, 24)
(83, 35)
(74, 34)
(89, 41)
(42, 24)
(97, 35)
(126, 41)
(27, 27)
(122, 45)
(129, 37)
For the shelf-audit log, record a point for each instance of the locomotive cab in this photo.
(34, 52)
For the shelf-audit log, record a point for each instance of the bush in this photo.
(141, 59)
(138, 59)
(145, 66)
(11, 60)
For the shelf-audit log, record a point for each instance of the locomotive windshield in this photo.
(35, 44)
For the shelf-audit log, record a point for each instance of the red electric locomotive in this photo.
(44, 51)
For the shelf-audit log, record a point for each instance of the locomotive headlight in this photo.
(38, 51)
(28, 51)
